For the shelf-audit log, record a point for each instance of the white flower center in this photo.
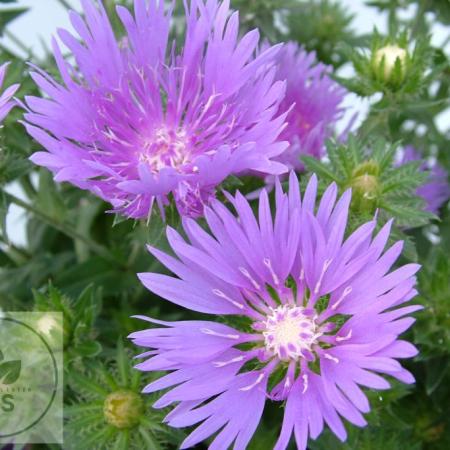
(165, 148)
(290, 332)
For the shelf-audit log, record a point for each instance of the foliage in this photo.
(323, 27)
(108, 410)
(377, 183)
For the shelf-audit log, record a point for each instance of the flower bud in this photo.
(385, 60)
(365, 186)
(123, 409)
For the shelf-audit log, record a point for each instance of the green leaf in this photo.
(436, 370)
(407, 215)
(8, 15)
(85, 384)
(4, 207)
(88, 349)
(123, 364)
(122, 442)
(321, 170)
(49, 198)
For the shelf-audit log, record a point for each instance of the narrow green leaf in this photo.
(8, 15)
(321, 169)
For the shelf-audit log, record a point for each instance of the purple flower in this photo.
(137, 120)
(315, 316)
(436, 191)
(6, 104)
(317, 100)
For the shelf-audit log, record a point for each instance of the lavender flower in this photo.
(316, 316)
(437, 190)
(317, 100)
(135, 121)
(5, 98)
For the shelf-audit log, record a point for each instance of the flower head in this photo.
(5, 98)
(307, 318)
(136, 120)
(316, 99)
(436, 191)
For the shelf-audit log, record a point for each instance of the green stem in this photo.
(65, 229)
(420, 18)
(15, 254)
(28, 187)
(65, 4)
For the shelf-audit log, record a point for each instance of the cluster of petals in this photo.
(314, 100)
(301, 313)
(436, 191)
(6, 102)
(136, 120)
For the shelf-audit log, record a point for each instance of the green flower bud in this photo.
(385, 61)
(123, 409)
(365, 187)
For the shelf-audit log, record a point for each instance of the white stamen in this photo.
(347, 291)
(287, 383)
(247, 275)
(326, 264)
(220, 294)
(331, 358)
(251, 386)
(164, 147)
(215, 333)
(226, 363)
(268, 264)
(305, 382)
(288, 331)
(344, 338)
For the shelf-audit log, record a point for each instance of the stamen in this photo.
(165, 148)
(247, 275)
(347, 291)
(287, 382)
(326, 264)
(226, 363)
(215, 333)
(344, 338)
(220, 294)
(290, 333)
(251, 386)
(305, 382)
(330, 357)
(268, 264)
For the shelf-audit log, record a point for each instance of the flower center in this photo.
(165, 148)
(290, 332)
